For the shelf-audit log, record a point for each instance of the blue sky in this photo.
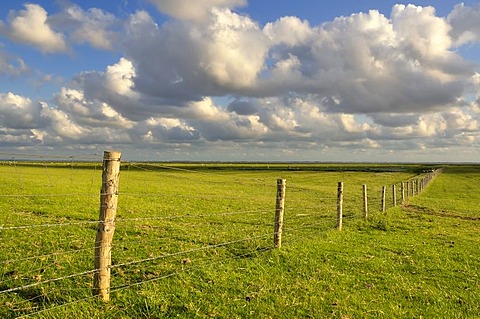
(242, 80)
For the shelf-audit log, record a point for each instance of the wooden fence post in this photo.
(384, 191)
(394, 195)
(340, 205)
(106, 224)
(365, 201)
(403, 192)
(279, 210)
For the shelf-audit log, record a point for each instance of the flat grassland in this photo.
(195, 240)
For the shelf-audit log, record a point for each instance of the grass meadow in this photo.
(196, 241)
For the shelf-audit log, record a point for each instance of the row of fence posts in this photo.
(408, 189)
(108, 210)
(107, 215)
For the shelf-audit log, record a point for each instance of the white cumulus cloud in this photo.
(31, 26)
(197, 10)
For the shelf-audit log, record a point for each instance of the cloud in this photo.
(288, 30)
(364, 63)
(464, 22)
(56, 33)
(34, 17)
(184, 61)
(194, 10)
(44, 79)
(93, 26)
(17, 112)
(12, 65)
(92, 113)
(367, 63)
(365, 82)
(243, 107)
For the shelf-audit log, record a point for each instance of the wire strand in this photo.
(189, 251)
(48, 281)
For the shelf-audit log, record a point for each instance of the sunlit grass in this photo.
(206, 232)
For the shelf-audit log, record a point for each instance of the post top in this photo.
(112, 155)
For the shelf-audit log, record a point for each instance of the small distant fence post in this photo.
(394, 195)
(403, 192)
(106, 224)
(279, 210)
(384, 191)
(340, 205)
(365, 201)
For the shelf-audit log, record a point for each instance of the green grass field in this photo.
(195, 240)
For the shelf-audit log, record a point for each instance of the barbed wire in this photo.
(28, 275)
(146, 219)
(204, 247)
(50, 156)
(221, 214)
(56, 307)
(52, 225)
(51, 195)
(206, 196)
(115, 289)
(286, 230)
(48, 281)
(127, 286)
(201, 172)
(189, 251)
(88, 222)
(137, 165)
(248, 212)
(47, 255)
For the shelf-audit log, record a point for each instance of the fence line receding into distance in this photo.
(104, 243)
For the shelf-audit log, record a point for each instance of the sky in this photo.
(242, 80)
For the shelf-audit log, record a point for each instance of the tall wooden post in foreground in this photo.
(106, 224)
(279, 210)
(340, 205)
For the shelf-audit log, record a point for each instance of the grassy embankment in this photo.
(418, 261)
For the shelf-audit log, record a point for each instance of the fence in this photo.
(148, 245)
(410, 188)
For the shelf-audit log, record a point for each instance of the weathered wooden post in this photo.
(365, 201)
(403, 192)
(106, 224)
(279, 210)
(384, 191)
(340, 205)
(394, 195)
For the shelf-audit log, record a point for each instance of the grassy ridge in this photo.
(417, 261)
